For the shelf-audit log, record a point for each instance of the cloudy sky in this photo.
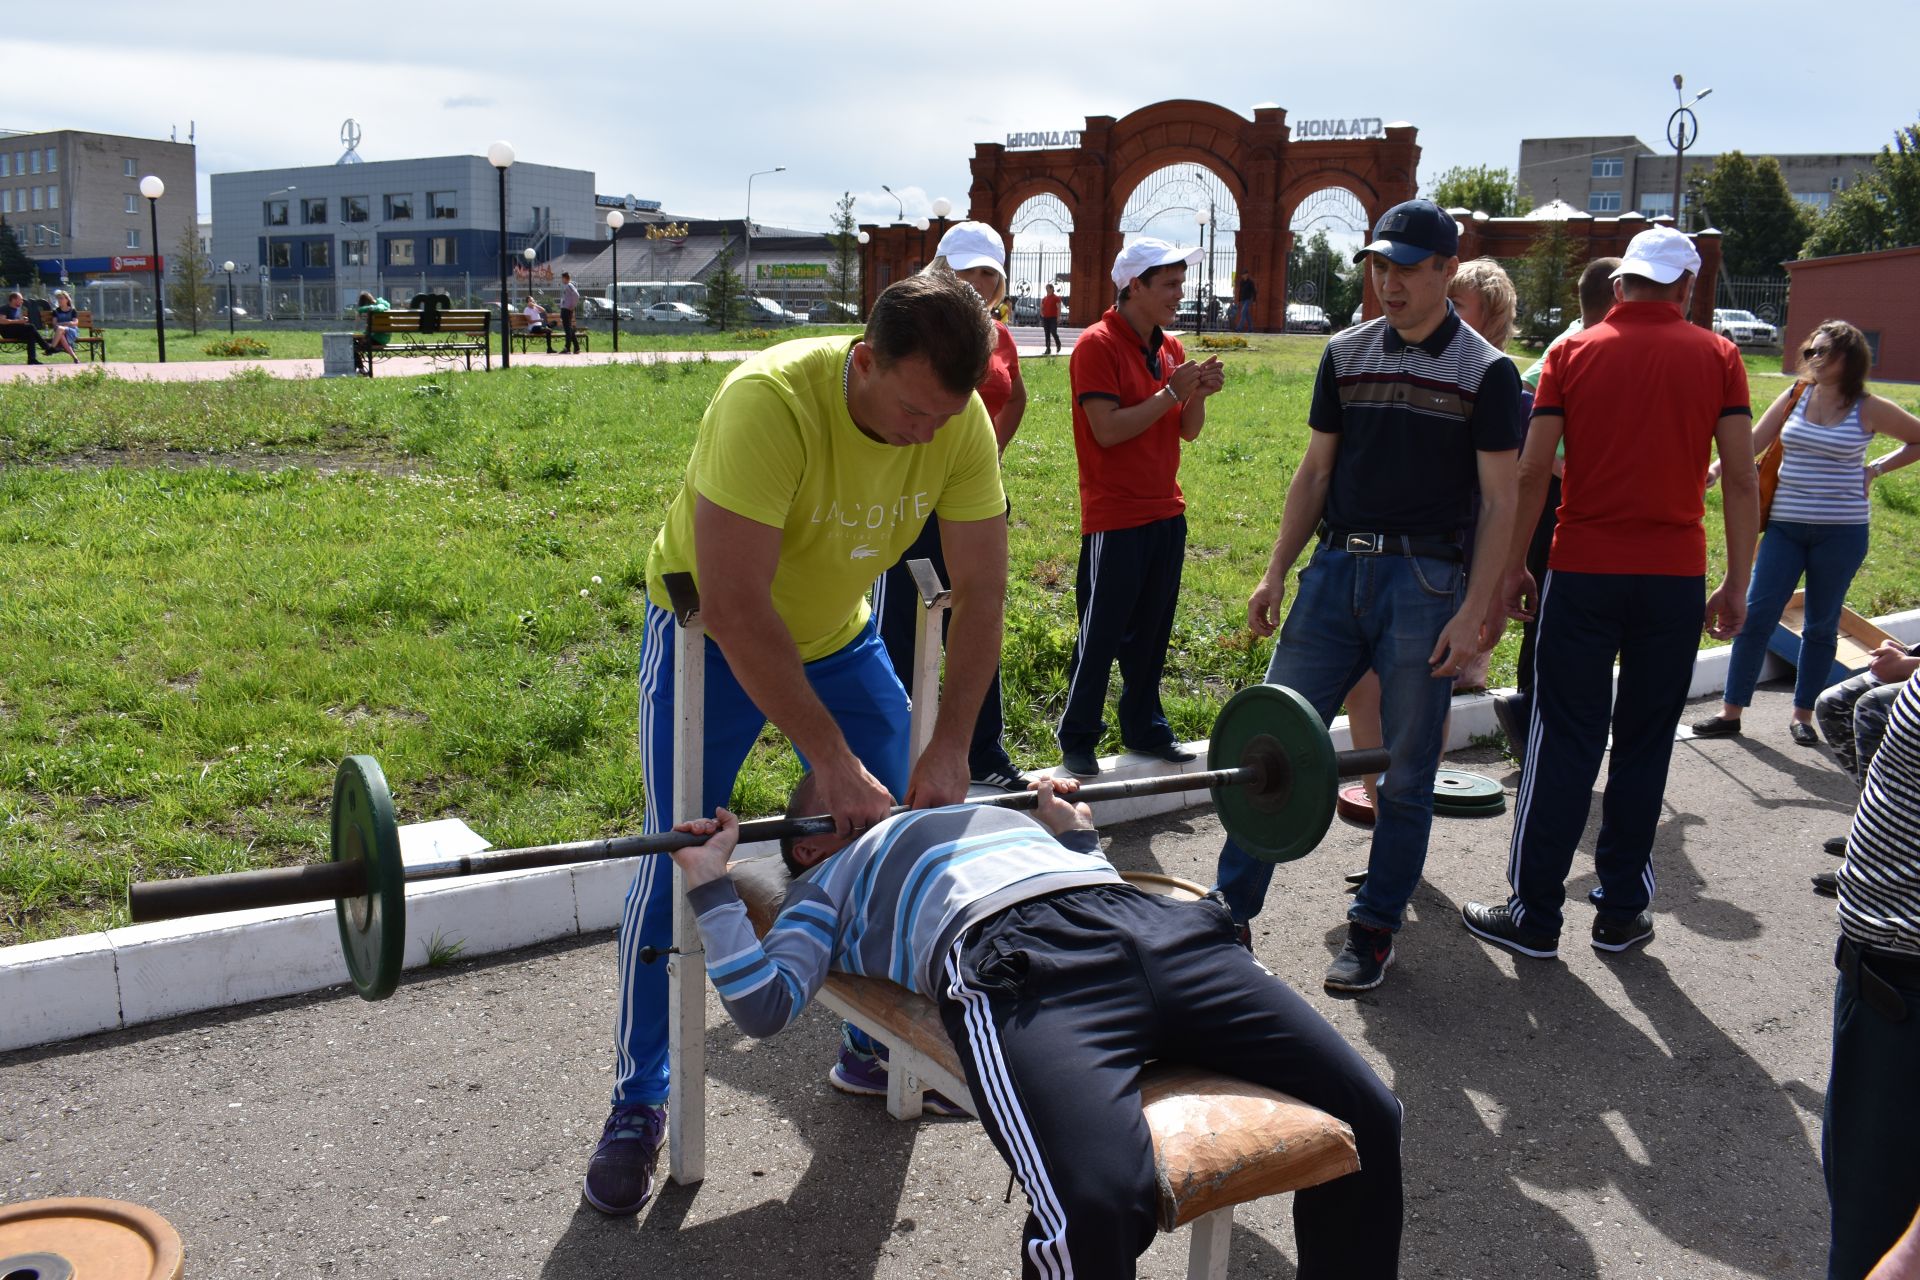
(679, 103)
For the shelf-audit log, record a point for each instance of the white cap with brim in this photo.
(1143, 256)
(1661, 254)
(973, 244)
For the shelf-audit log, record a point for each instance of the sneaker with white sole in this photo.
(1363, 959)
(864, 1075)
(1497, 925)
(1622, 935)
(620, 1175)
(1005, 777)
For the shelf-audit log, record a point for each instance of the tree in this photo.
(1881, 211)
(16, 268)
(190, 281)
(723, 287)
(1319, 274)
(1761, 223)
(843, 271)
(1545, 285)
(1479, 188)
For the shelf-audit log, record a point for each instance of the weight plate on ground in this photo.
(1466, 790)
(1354, 804)
(373, 929)
(1266, 725)
(90, 1238)
(1447, 809)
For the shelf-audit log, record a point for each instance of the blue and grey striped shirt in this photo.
(889, 906)
(1822, 469)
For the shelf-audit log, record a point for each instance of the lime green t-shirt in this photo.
(778, 446)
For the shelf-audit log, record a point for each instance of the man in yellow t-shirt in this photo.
(816, 465)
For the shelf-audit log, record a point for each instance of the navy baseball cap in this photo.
(1413, 231)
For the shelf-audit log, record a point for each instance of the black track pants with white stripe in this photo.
(1125, 591)
(1056, 1005)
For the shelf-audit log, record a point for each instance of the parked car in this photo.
(829, 312)
(672, 313)
(239, 313)
(1188, 314)
(1304, 317)
(767, 311)
(1744, 329)
(600, 307)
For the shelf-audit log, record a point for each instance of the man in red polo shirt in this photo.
(1136, 397)
(1639, 398)
(1050, 322)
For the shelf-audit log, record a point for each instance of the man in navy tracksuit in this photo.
(1058, 982)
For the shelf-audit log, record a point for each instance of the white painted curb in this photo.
(68, 987)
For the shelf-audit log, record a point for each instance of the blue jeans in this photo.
(1354, 613)
(856, 684)
(1829, 555)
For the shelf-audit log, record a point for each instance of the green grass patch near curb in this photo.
(211, 592)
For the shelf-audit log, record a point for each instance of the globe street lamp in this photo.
(227, 267)
(747, 270)
(529, 255)
(500, 156)
(615, 221)
(152, 188)
(942, 207)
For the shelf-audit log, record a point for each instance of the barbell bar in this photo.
(1271, 768)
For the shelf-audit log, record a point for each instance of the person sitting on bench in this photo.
(1057, 982)
(16, 326)
(536, 317)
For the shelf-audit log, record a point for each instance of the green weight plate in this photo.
(1466, 790)
(1448, 809)
(1287, 818)
(373, 929)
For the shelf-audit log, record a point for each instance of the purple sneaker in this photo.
(620, 1175)
(865, 1075)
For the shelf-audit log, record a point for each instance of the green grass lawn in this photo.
(213, 591)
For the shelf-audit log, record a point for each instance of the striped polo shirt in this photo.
(889, 905)
(1412, 419)
(1880, 879)
(1822, 469)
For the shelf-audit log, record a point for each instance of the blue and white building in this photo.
(395, 227)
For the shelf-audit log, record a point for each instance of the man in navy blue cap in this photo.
(1411, 413)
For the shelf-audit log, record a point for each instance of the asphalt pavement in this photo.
(1651, 1115)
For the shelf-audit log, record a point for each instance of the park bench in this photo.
(517, 331)
(92, 338)
(1217, 1141)
(424, 333)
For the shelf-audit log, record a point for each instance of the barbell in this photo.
(1271, 768)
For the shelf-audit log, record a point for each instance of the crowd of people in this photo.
(1440, 496)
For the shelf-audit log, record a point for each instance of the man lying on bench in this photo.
(1057, 982)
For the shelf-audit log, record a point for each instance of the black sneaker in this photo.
(1171, 752)
(1827, 885)
(1715, 727)
(1495, 925)
(1005, 777)
(1080, 764)
(1622, 935)
(1362, 962)
(1511, 713)
(1835, 845)
(620, 1175)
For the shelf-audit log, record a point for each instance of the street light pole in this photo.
(152, 188)
(747, 270)
(1203, 217)
(615, 221)
(1682, 129)
(500, 156)
(897, 200)
(227, 267)
(529, 255)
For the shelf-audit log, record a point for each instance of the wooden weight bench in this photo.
(1217, 1141)
(449, 333)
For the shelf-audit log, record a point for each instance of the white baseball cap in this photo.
(1661, 254)
(973, 244)
(1143, 256)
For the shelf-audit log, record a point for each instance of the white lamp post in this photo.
(500, 156)
(747, 269)
(152, 188)
(615, 221)
(227, 267)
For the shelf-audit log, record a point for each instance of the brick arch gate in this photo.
(1267, 172)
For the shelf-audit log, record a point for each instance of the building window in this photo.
(132, 207)
(126, 168)
(446, 251)
(33, 158)
(133, 238)
(318, 253)
(276, 213)
(1836, 183)
(39, 233)
(53, 161)
(313, 213)
(6, 200)
(1609, 166)
(1603, 202)
(442, 204)
(400, 208)
(1814, 199)
(53, 197)
(6, 164)
(399, 253)
(353, 253)
(279, 253)
(1656, 205)
(36, 196)
(353, 208)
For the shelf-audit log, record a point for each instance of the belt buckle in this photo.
(1364, 544)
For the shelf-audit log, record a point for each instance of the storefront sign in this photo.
(1327, 130)
(1057, 138)
(666, 231)
(136, 262)
(790, 271)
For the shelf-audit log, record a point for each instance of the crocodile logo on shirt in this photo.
(863, 552)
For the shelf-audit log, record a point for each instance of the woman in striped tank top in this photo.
(1817, 527)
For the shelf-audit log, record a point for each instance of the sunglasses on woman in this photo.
(1816, 353)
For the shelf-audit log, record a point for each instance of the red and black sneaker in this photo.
(1362, 962)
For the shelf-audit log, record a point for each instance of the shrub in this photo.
(238, 348)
